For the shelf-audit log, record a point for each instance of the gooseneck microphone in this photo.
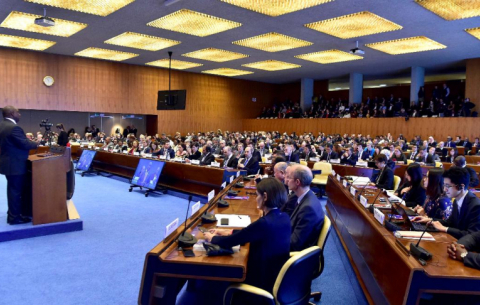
(419, 252)
(208, 217)
(371, 207)
(186, 240)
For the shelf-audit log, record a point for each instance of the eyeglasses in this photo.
(447, 186)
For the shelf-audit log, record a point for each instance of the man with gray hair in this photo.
(307, 217)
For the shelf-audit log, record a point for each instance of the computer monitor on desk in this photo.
(147, 173)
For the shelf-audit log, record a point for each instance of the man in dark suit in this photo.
(289, 155)
(250, 163)
(465, 217)
(167, 151)
(14, 148)
(255, 153)
(414, 153)
(207, 156)
(349, 157)
(466, 143)
(384, 179)
(461, 250)
(307, 217)
(330, 154)
(307, 153)
(460, 162)
(262, 150)
(441, 150)
(230, 160)
(450, 143)
(362, 154)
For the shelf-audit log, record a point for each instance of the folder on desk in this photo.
(415, 235)
(234, 220)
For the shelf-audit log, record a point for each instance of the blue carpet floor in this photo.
(103, 263)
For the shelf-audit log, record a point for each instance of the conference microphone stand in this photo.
(186, 240)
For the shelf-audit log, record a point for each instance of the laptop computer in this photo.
(413, 225)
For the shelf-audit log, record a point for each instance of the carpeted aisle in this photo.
(103, 263)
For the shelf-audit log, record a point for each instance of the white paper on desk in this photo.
(391, 196)
(234, 220)
(360, 180)
(199, 246)
(415, 235)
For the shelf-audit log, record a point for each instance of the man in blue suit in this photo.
(14, 147)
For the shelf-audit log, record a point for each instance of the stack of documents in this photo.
(414, 235)
(360, 180)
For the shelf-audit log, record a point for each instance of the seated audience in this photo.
(249, 163)
(460, 162)
(411, 190)
(437, 205)
(384, 178)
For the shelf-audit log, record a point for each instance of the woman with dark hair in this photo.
(452, 154)
(412, 191)
(398, 155)
(437, 205)
(62, 135)
(269, 236)
(134, 148)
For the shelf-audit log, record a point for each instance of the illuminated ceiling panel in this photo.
(276, 7)
(106, 54)
(213, 54)
(354, 25)
(452, 9)
(406, 45)
(94, 7)
(271, 65)
(227, 72)
(193, 23)
(272, 42)
(25, 43)
(329, 56)
(176, 64)
(141, 41)
(475, 32)
(26, 22)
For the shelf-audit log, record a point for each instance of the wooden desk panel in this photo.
(386, 273)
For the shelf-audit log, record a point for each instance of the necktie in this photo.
(246, 161)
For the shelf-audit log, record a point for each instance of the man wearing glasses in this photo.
(465, 218)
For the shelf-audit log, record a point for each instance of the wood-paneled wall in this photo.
(439, 128)
(89, 85)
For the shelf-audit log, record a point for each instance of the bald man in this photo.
(14, 147)
(307, 217)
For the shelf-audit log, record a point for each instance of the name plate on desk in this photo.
(238, 174)
(345, 182)
(333, 172)
(211, 195)
(379, 216)
(162, 157)
(148, 155)
(224, 184)
(89, 146)
(105, 149)
(125, 152)
(335, 161)
(115, 150)
(97, 148)
(196, 162)
(353, 191)
(136, 153)
(364, 201)
(231, 179)
(339, 178)
(215, 164)
(195, 208)
(400, 162)
(171, 227)
(82, 145)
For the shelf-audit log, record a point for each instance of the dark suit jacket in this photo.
(468, 221)
(326, 157)
(441, 152)
(473, 177)
(14, 147)
(467, 145)
(195, 156)
(413, 156)
(232, 162)
(450, 144)
(252, 166)
(365, 155)
(416, 196)
(290, 205)
(351, 160)
(307, 222)
(207, 159)
(256, 154)
(170, 152)
(293, 158)
(269, 239)
(384, 179)
(430, 159)
(262, 153)
(401, 158)
(309, 156)
(471, 243)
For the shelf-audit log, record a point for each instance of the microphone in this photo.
(419, 252)
(363, 189)
(371, 207)
(351, 184)
(186, 240)
(208, 217)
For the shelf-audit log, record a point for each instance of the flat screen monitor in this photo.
(171, 100)
(147, 173)
(86, 160)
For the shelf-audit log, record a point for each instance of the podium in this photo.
(47, 177)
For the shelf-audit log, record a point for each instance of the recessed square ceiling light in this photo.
(106, 54)
(25, 43)
(213, 54)
(354, 25)
(26, 22)
(94, 7)
(406, 45)
(475, 32)
(452, 9)
(141, 41)
(227, 72)
(276, 7)
(193, 23)
(271, 65)
(272, 42)
(176, 64)
(329, 56)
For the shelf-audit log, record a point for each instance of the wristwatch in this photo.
(463, 255)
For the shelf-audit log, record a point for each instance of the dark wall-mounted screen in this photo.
(177, 100)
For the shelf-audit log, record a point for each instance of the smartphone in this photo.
(224, 221)
(202, 229)
(188, 253)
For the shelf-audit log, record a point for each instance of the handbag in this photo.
(216, 250)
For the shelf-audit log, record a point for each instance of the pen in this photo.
(239, 216)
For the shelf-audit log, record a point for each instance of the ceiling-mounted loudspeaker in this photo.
(170, 2)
